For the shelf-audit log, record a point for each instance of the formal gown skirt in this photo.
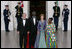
(42, 43)
(51, 40)
(37, 41)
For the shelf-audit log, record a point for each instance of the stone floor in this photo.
(10, 40)
(63, 39)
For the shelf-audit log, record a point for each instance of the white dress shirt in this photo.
(34, 20)
(24, 22)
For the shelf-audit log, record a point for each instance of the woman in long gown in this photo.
(41, 31)
(50, 36)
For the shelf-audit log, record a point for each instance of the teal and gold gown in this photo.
(50, 36)
(41, 29)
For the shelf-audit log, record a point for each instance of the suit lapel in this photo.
(25, 22)
(32, 21)
(22, 22)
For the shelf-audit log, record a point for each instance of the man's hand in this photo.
(18, 32)
(28, 32)
(37, 32)
(8, 14)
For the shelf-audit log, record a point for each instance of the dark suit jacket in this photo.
(65, 14)
(5, 13)
(23, 29)
(58, 10)
(33, 28)
(21, 11)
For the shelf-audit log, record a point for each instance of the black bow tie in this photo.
(34, 16)
(24, 19)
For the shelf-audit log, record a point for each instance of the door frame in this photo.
(46, 10)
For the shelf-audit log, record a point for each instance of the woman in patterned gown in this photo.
(50, 36)
(41, 31)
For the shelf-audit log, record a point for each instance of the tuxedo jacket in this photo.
(23, 29)
(33, 28)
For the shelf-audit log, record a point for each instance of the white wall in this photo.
(12, 4)
(26, 9)
(50, 12)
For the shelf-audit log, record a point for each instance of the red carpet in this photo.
(32, 46)
(28, 42)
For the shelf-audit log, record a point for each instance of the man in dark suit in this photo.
(56, 14)
(6, 14)
(19, 12)
(65, 14)
(23, 30)
(33, 30)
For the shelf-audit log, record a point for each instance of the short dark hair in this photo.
(51, 19)
(6, 5)
(55, 2)
(65, 5)
(19, 2)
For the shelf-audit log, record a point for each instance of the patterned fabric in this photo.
(50, 36)
(42, 43)
(41, 29)
(41, 26)
(40, 40)
(37, 41)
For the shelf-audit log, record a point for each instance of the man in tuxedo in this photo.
(6, 14)
(19, 12)
(56, 14)
(33, 30)
(23, 30)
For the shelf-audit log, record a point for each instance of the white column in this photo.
(49, 9)
(13, 4)
(60, 4)
(11, 24)
(26, 8)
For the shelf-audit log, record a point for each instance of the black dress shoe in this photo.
(65, 30)
(7, 31)
(56, 29)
